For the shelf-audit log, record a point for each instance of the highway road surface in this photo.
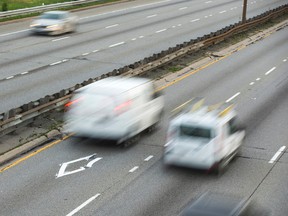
(88, 177)
(108, 38)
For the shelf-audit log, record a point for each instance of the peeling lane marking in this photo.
(148, 158)
(9, 77)
(252, 83)
(55, 63)
(272, 69)
(112, 26)
(233, 97)
(133, 169)
(23, 73)
(222, 11)
(280, 151)
(162, 30)
(83, 205)
(63, 38)
(154, 15)
(183, 8)
(34, 153)
(117, 44)
(195, 20)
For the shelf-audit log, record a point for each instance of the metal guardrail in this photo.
(44, 8)
(15, 118)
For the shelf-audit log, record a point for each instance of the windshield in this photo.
(51, 16)
(196, 131)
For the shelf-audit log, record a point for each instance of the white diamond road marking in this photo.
(62, 172)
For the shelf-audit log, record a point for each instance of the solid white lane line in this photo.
(162, 30)
(84, 54)
(234, 96)
(222, 11)
(133, 169)
(58, 39)
(16, 32)
(258, 79)
(195, 20)
(272, 69)
(148, 158)
(55, 63)
(183, 8)
(252, 83)
(26, 72)
(117, 44)
(83, 205)
(10, 77)
(274, 158)
(112, 26)
(154, 15)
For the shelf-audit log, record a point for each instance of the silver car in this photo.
(54, 23)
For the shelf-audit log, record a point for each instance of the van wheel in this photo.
(130, 141)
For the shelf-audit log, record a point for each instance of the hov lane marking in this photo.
(62, 172)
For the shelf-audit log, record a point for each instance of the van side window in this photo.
(232, 126)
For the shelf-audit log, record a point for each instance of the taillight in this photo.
(72, 102)
(122, 107)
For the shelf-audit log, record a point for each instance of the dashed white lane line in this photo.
(65, 60)
(234, 96)
(16, 32)
(274, 158)
(179, 25)
(133, 169)
(58, 39)
(141, 36)
(83, 205)
(117, 44)
(55, 63)
(23, 73)
(162, 30)
(207, 2)
(284, 60)
(10, 77)
(195, 20)
(84, 54)
(148, 158)
(94, 51)
(154, 15)
(111, 26)
(272, 69)
(222, 11)
(133, 39)
(252, 83)
(257, 79)
(183, 8)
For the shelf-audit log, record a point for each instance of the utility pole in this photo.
(244, 11)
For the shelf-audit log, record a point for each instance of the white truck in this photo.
(114, 108)
(203, 137)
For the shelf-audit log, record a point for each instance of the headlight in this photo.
(53, 26)
(34, 25)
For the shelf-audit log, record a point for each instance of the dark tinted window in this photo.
(192, 131)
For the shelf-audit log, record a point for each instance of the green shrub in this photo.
(4, 6)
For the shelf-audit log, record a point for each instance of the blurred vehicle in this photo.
(203, 137)
(216, 204)
(54, 23)
(114, 109)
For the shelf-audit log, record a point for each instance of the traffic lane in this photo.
(213, 24)
(244, 71)
(166, 191)
(53, 190)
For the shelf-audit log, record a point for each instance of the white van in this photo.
(203, 137)
(114, 108)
